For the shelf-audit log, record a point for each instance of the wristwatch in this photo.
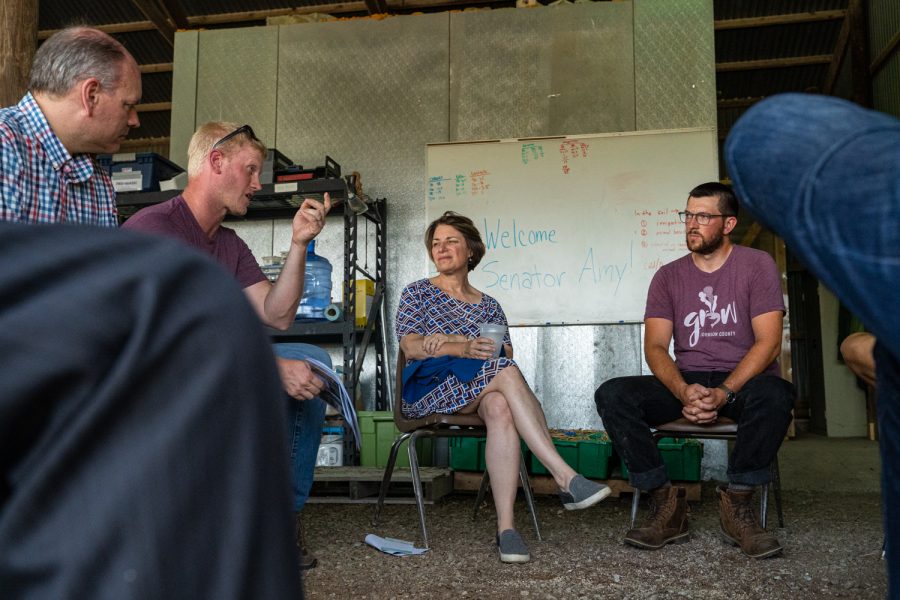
(729, 395)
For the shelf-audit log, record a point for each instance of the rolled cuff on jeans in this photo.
(753, 478)
(649, 480)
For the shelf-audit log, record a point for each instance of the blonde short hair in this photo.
(206, 137)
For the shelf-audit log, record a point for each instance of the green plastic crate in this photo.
(467, 453)
(682, 458)
(378, 433)
(589, 453)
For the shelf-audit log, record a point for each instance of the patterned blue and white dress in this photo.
(425, 309)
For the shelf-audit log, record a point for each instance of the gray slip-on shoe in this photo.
(583, 493)
(512, 547)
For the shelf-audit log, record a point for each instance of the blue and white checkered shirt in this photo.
(40, 182)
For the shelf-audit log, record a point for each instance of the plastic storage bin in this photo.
(588, 452)
(138, 172)
(316, 286)
(467, 454)
(682, 458)
(378, 433)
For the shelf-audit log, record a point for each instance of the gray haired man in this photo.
(83, 90)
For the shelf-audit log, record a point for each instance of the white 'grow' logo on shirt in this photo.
(711, 317)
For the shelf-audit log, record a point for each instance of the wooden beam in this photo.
(19, 24)
(805, 17)
(262, 15)
(153, 107)
(152, 11)
(176, 13)
(112, 29)
(885, 54)
(156, 68)
(331, 9)
(840, 51)
(773, 63)
(751, 234)
(738, 102)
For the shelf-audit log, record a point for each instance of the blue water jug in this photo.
(316, 286)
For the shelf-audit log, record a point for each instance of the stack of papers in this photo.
(335, 394)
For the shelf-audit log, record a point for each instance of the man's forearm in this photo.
(665, 369)
(757, 360)
(284, 297)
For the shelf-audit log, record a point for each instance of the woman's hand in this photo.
(480, 348)
(432, 343)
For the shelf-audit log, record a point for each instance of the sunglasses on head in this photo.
(242, 129)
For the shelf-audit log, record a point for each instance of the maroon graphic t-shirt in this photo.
(711, 312)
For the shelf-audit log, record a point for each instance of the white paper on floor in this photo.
(392, 546)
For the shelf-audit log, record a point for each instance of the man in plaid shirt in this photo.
(83, 90)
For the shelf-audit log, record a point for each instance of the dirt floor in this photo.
(832, 550)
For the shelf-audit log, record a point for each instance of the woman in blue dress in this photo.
(450, 370)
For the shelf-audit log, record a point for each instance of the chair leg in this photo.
(529, 496)
(417, 486)
(635, 500)
(482, 490)
(763, 504)
(776, 488)
(386, 479)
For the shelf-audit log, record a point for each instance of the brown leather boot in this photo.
(740, 525)
(667, 522)
(307, 560)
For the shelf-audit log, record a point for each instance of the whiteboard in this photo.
(575, 226)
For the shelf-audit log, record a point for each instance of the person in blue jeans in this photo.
(304, 434)
(824, 174)
(224, 163)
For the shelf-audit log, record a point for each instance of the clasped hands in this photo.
(701, 404)
(480, 347)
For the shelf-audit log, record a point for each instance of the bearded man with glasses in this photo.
(723, 306)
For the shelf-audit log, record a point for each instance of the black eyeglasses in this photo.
(242, 129)
(702, 218)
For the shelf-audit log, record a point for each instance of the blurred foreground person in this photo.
(824, 174)
(135, 462)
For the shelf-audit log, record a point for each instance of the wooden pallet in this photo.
(361, 485)
(544, 484)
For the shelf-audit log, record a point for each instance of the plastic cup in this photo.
(495, 332)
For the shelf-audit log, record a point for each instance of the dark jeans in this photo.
(630, 406)
(141, 425)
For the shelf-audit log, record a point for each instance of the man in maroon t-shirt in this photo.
(723, 307)
(224, 163)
